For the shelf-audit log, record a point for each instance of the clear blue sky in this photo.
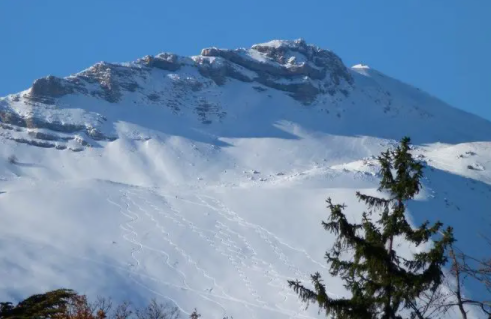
(441, 46)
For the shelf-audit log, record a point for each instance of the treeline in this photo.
(382, 283)
(67, 304)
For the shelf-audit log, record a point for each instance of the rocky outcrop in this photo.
(39, 123)
(8, 117)
(318, 64)
(282, 60)
(113, 79)
(305, 91)
(241, 57)
(46, 144)
(51, 86)
(104, 74)
(301, 70)
(46, 136)
(289, 66)
(47, 90)
(34, 142)
(97, 135)
(219, 69)
(44, 133)
(163, 61)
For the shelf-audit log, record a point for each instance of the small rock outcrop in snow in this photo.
(163, 61)
(50, 86)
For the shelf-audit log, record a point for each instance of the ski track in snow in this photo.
(201, 246)
(223, 240)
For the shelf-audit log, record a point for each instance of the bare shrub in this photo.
(156, 310)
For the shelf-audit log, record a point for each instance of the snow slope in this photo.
(202, 180)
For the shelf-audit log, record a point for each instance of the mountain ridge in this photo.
(314, 77)
(207, 187)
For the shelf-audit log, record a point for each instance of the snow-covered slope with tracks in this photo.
(202, 179)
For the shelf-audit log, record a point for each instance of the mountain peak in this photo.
(278, 43)
(286, 58)
(299, 69)
(293, 66)
(190, 176)
(271, 81)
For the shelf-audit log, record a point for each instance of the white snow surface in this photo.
(360, 66)
(219, 216)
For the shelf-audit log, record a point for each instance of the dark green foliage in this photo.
(5, 307)
(39, 306)
(380, 281)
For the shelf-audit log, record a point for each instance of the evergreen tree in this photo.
(380, 281)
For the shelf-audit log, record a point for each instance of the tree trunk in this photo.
(458, 293)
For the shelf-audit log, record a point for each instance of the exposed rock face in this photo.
(42, 132)
(46, 90)
(51, 86)
(305, 91)
(319, 62)
(302, 70)
(112, 80)
(163, 61)
(12, 118)
(242, 57)
(97, 135)
(218, 69)
(278, 61)
(108, 76)
(35, 143)
(35, 122)
(45, 136)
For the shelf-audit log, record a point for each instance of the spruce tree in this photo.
(381, 282)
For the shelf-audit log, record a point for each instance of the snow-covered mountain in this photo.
(202, 179)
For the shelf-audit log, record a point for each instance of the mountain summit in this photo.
(267, 81)
(301, 70)
(202, 180)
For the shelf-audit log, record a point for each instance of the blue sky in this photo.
(441, 46)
